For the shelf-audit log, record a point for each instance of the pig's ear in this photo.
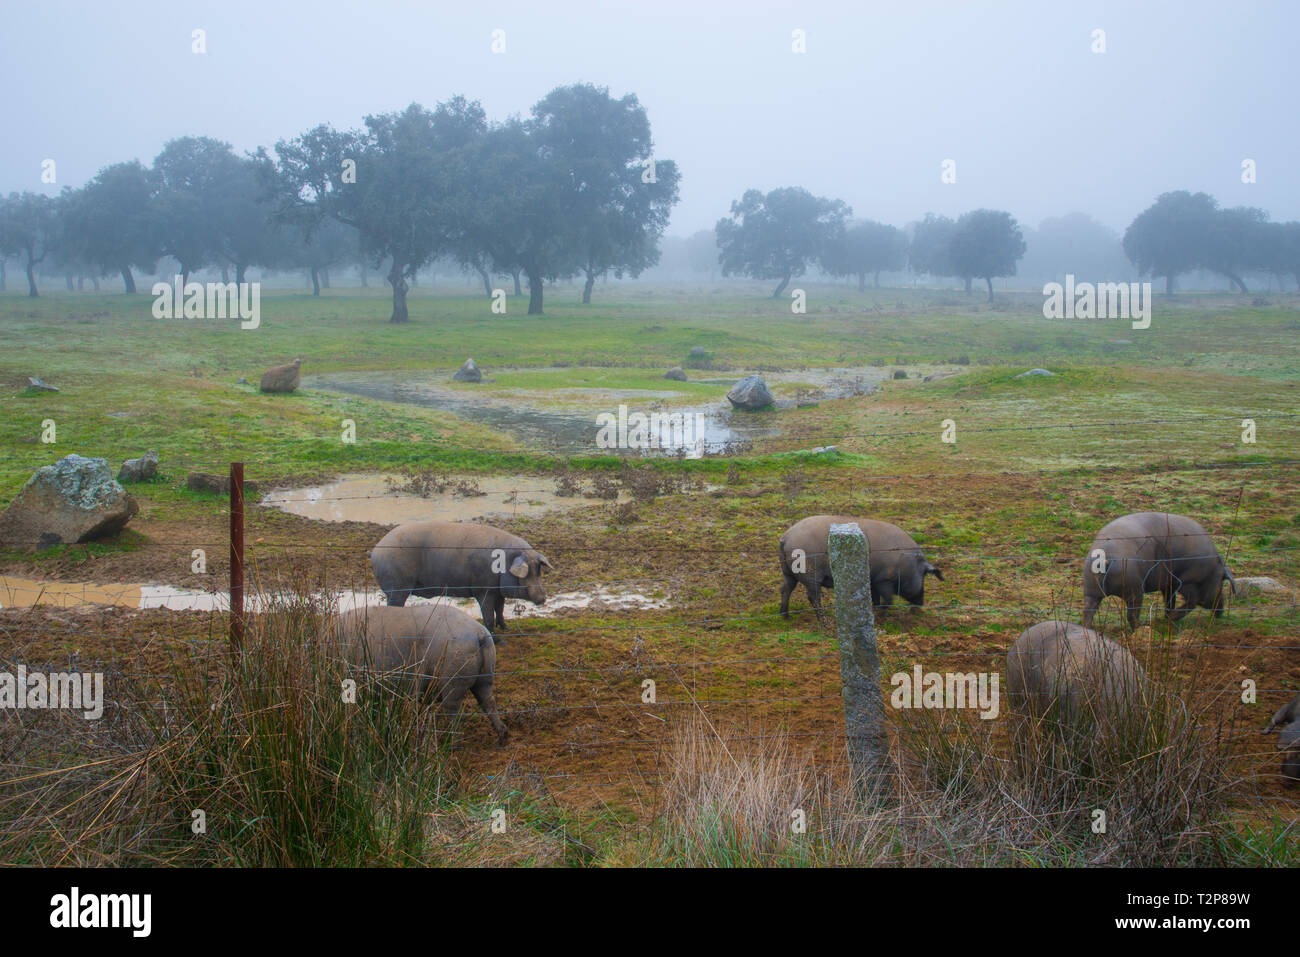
(519, 567)
(542, 558)
(932, 570)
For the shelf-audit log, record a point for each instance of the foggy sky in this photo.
(1036, 122)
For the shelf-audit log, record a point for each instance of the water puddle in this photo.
(370, 498)
(568, 421)
(26, 593)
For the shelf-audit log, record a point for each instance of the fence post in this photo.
(236, 556)
(864, 700)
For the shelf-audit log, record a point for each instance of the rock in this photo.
(139, 470)
(36, 385)
(676, 374)
(469, 372)
(826, 450)
(936, 376)
(241, 381)
(1034, 372)
(900, 374)
(699, 352)
(1249, 586)
(217, 484)
(750, 393)
(73, 500)
(282, 378)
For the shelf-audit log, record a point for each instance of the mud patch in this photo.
(28, 593)
(563, 417)
(370, 498)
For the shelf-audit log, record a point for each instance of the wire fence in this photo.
(571, 684)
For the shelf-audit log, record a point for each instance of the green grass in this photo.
(1023, 478)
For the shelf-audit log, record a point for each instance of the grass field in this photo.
(1130, 420)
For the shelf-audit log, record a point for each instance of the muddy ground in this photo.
(571, 685)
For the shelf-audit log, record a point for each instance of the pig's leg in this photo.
(1133, 601)
(397, 597)
(501, 610)
(1090, 605)
(482, 690)
(788, 583)
(814, 590)
(487, 606)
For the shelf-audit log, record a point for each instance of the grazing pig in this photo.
(1061, 662)
(1287, 723)
(459, 560)
(897, 565)
(438, 648)
(1154, 551)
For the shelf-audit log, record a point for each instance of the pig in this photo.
(459, 560)
(440, 650)
(1286, 722)
(897, 565)
(1154, 551)
(1072, 666)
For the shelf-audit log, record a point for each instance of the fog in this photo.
(1036, 122)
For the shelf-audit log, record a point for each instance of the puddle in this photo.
(569, 420)
(25, 593)
(368, 498)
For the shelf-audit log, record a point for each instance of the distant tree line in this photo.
(780, 234)
(573, 190)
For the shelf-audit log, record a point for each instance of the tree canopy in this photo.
(776, 235)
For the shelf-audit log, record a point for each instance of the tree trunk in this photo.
(315, 281)
(128, 280)
(586, 288)
(31, 280)
(487, 282)
(534, 294)
(781, 288)
(989, 280)
(862, 282)
(398, 282)
(518, 291)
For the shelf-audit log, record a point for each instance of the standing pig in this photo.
(1287, 723)
(1058, 662)
(459, 560)
(437, 648)
(897, 565)
(1153, 551)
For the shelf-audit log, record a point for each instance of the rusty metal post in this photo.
(236, 556)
